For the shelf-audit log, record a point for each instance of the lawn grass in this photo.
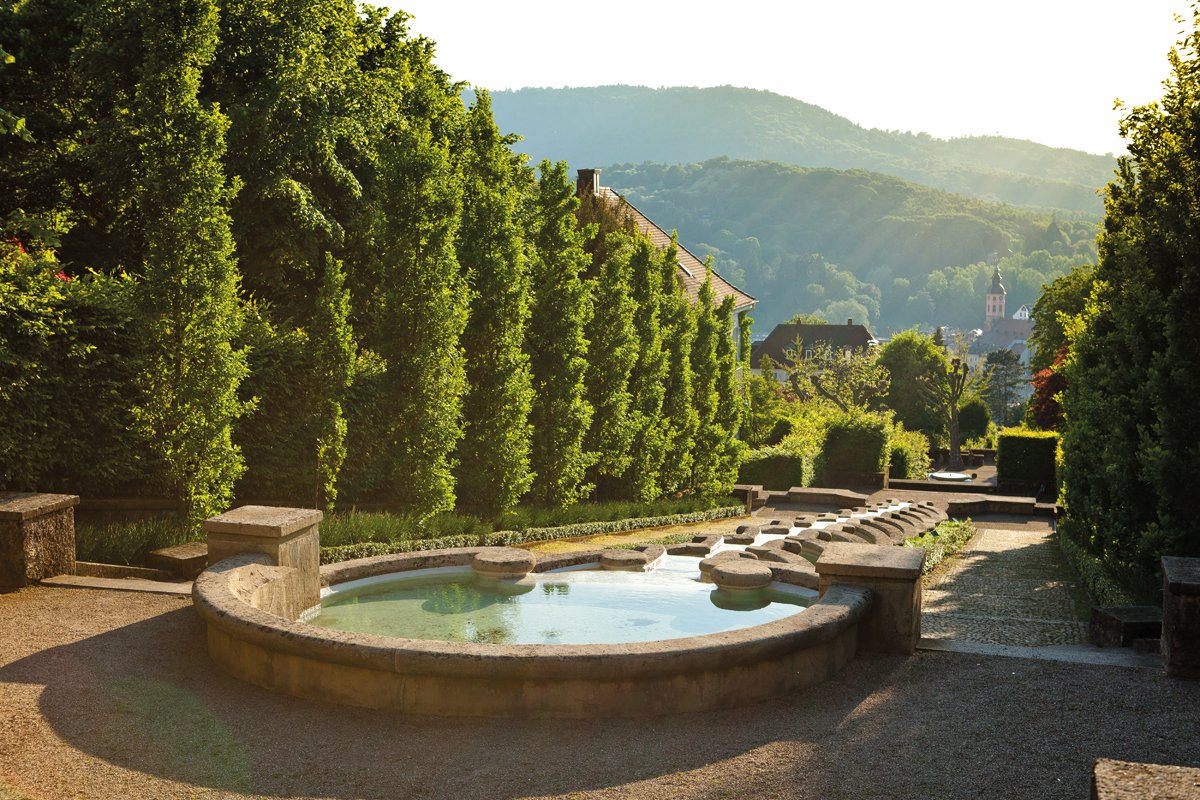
(946, 539)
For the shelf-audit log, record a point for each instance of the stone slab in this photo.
(1126, 780)
(186, 560)
(182, 588)
(268, 522)
(22, 506)
(1118, 626)
(867, 560)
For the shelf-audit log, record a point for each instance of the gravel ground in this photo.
(109, 694)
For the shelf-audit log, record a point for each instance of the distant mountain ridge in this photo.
(607, 125)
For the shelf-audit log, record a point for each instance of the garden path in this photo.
(1009, 586)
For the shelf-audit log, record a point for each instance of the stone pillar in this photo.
(1181, 616)
(289, 536)
(893, 574)
(37, 536)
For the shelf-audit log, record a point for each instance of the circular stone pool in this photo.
(576, 607)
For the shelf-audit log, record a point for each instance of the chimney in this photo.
(588, 182)
(850, 321)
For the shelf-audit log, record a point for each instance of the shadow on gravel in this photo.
(146, 697)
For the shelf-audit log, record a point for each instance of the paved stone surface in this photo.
(1008, 586)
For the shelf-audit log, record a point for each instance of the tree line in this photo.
(263, 249)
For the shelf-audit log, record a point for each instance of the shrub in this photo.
(1100, 585)
(856, 441)
(909, 454)
(943, 541)
(776, 468)
(974, 417)
(128, 542)
(1025, 455)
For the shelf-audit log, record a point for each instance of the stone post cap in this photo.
(268, 522)
(1182, 574)
(20, 506)
(850, 559)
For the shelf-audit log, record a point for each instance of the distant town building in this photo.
(845, 338)
(999, 332)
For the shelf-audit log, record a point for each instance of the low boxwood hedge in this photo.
(333, 555)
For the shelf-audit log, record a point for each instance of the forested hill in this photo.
(620, 124)
(851, 243)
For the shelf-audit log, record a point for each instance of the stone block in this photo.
(289, 537)
(1181, 616)
(619, 560)
(1126, 780)
(1118, 626)
(182, 560)
(37, 536)
(740, 575)
(893, 574)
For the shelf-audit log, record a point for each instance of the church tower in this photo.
(995, 300)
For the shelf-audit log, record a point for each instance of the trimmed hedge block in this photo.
(856, 442)
(775, 469)
(1023, 455)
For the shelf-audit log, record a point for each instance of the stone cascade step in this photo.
(185, 561)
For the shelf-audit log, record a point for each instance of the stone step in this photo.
(183, 560)
(119, 584)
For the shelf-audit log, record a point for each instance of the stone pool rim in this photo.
(478, 679)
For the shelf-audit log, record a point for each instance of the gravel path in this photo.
(1010, 585)
(107, 694)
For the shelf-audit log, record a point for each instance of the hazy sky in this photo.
(1046, 70)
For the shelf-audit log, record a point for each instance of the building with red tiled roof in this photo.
(691, 269)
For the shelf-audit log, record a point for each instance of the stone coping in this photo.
(216, 598)
(267, 522)
(22, 506)
(848, 559)
(1182, 575)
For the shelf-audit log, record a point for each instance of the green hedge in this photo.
(856, 441)
(776, 468)
(1104, 590)
(909, 454)
(1025, 455)
(332, 555)
(943, 541)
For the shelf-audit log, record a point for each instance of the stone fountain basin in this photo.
(247, 603)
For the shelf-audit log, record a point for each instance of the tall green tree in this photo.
(333, 356)
(729, 408)
(612, 348)
(680, 413)
(711, 433)
(188, 294)
(913, 359)
(649, 374)
(1061, 300)
(1131, 445)
(493, 469)
(1006, 375)
(560, 311)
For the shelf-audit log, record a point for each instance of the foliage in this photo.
(1045, 406)
(1005, 376)
(855, 441)
(505, 538)
(69, 355)
(648, 376)
(715, 461)
(1061, 300)
(908, 454)
(946, 390)
(974, 418)
(493, 455)
(871, 244)
(942, 542)
(689, 393)
(1101, 586)
(849, 379)
(560, 311)
(612, 347)
(1025, 455)
(766, 407)
(912, 359)
(778, 468)
(1131, 458)
(128, 542)
(187, 299)
(591, 125)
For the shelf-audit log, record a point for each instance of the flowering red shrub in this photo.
(1048, 384)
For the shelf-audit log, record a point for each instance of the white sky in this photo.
(1046, 70)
